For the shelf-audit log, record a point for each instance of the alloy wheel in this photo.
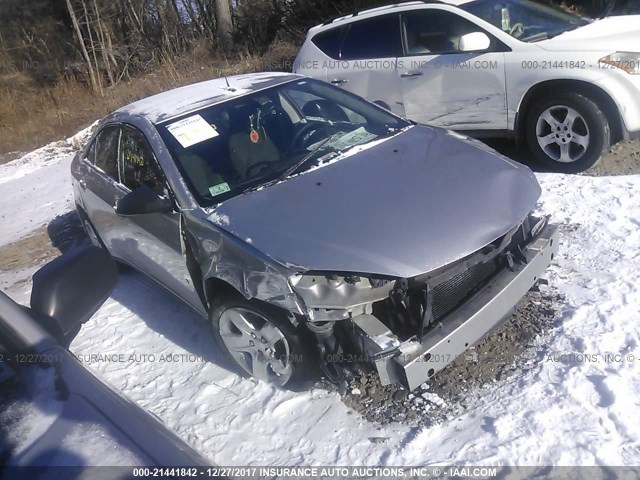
(563, 134)
(257, 345)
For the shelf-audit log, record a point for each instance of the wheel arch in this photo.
(217, 291)
(589, 90)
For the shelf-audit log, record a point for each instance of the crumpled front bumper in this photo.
(411, 363)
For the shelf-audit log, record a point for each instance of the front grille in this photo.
(450, 293)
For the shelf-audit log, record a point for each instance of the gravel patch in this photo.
(62, 234)
(514, 349)
(623, 159)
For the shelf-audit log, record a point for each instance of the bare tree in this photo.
(95, 84)
(224, 24)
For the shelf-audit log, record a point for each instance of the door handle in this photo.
(411, 74)
(339, 81)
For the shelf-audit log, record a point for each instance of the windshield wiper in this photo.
(608, 11)
(537, 37)
(291, 170)
(260, 186)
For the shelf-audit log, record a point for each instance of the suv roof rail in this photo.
(381, 7)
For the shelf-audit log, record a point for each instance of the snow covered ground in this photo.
(578, 406)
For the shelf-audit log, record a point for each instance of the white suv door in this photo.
(443, 86)
(368, 58)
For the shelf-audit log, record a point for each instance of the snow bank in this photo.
(36, 187)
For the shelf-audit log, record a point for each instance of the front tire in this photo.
(567, 132)
(263, 343)
(90, 230)
(96, 241)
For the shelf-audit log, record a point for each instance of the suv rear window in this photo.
(330, 41)
(377, 37)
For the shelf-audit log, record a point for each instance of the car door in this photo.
(101, 185)
(153, 241)
(443, 86)
(368, 61)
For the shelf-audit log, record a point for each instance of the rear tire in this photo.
(260, 340)
(567, 132)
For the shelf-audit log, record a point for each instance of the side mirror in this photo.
(141, 201)
(474, 42)
(70, 289)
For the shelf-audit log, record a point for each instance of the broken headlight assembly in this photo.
(333, 296)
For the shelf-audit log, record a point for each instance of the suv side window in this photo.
(330, 41)
(137, 163)
(434, 32)
(106, 151)
(377, 37)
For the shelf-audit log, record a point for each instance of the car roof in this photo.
(385, 8)
(180, 101)
(456, 2)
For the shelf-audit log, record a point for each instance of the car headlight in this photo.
(350, 293)
(627, 61)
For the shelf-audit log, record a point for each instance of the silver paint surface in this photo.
(414, 203)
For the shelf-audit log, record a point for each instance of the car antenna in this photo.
(229, 87)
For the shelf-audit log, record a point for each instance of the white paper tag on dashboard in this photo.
(192, 130)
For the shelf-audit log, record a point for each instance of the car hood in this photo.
(609, 34)
(405, 206)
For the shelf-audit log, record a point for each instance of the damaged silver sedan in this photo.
(312, 228)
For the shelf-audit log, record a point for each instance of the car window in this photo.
(523, 19)
(434, 32)
(91, 152)
(377, 37)
(314, 106)
(330, 41)
(106, 151)
(137, 163)
(244, 143)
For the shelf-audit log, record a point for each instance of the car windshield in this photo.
(245, 143)
(525, 20)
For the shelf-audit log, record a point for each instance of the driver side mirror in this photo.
(141, 201)
(474, 42)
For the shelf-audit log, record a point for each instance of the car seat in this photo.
(199, 172)
(249, 143)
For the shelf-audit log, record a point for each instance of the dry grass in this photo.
(31, 115)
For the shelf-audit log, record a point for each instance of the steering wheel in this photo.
(259, 167)
(517, 30)
(306, 132)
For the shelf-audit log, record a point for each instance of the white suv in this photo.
(568, 86)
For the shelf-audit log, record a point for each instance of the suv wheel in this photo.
(262, 342)
(567, 132)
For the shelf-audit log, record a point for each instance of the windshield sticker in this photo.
(192, 130)
(219, 189)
